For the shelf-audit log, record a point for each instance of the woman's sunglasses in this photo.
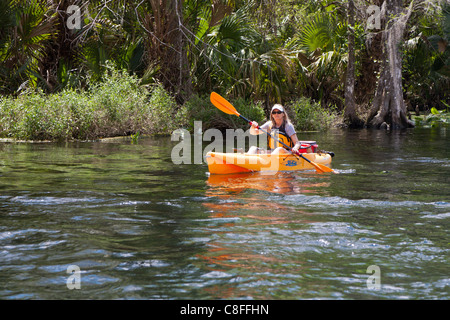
(277, 112)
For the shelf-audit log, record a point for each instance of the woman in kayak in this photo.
(280, 127)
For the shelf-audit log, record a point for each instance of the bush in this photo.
(32, 116)
(308, 115)
(435, 118)
(165, 115)
(117, 106)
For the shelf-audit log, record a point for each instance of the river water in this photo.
(136, 226)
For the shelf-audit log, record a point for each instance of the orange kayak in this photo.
(226, 163)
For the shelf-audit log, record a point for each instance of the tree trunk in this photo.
(388, 108)
(166, 47)
(350, 116)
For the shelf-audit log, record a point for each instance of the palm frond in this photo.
(32, 24)
(317, 33)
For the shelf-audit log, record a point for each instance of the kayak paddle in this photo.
(223, 105)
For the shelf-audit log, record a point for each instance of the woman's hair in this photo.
(286, 119)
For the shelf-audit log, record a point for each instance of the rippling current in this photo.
(138, 226)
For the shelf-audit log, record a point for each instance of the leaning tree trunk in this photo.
(388, 107)
(350, 116)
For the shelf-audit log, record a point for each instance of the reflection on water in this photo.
(140, 227)
(280, 182)
(242, 242)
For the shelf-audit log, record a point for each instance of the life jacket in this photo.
(280, 134)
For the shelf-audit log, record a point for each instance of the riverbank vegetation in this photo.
(119, 105)
(434, 118)
(90, 69)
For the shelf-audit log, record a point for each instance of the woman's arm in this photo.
(291, 130)
(255, 131)
(296, 142)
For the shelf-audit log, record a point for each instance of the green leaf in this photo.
(434, 110)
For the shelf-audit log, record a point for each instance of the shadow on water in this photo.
(140, 227)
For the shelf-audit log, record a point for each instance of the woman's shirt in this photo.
(288, 128)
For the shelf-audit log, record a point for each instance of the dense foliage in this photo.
(116, 106)
(57, 61)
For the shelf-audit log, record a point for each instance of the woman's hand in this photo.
(254, 128)
(296, 147)
(254, 124)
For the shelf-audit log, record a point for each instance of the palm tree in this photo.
(240, 60)
(427, 59)
(7, 21)
(32, 24)
(321, 47)
(110, 33)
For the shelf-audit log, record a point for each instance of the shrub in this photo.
(308, 115)
(116, 106)
(164, 114)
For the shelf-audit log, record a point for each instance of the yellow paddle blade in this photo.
(222, 104)
(322, 168)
